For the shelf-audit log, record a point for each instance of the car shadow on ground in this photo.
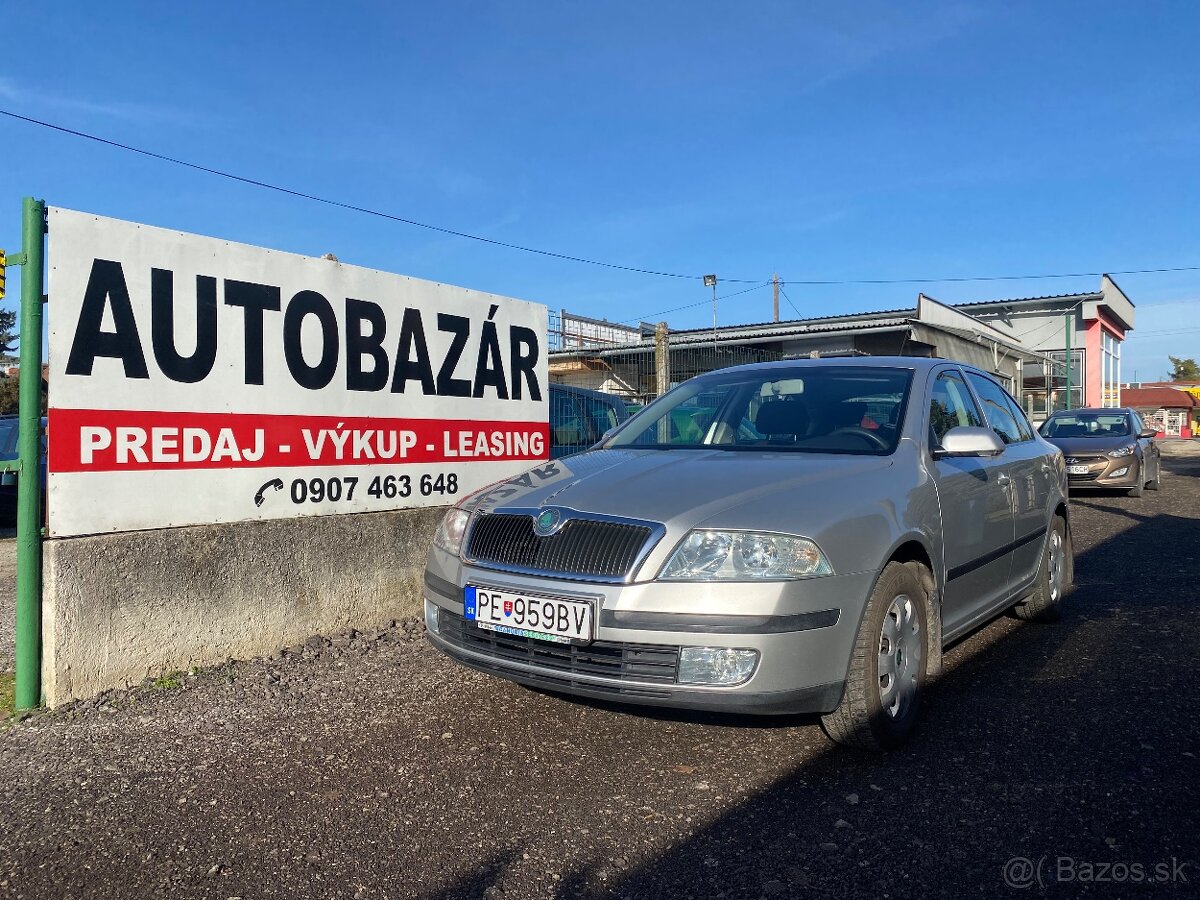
(1041, 742)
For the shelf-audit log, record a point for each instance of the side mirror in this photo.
(966, 440)
(1147, 433)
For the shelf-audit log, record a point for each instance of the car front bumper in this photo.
(802, 630)
(1102, 474)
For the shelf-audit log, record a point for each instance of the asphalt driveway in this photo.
(1057, 759)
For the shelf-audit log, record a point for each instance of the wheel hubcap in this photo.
(900, 649)
(1057, 565)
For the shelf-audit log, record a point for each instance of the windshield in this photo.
(807, 409)
(1086, 425)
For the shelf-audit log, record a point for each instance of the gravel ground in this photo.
(372, 767)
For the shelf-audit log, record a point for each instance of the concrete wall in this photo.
(120, 607)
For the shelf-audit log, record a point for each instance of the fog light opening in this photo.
(716, 665)
(431, 617)
(1119, 472)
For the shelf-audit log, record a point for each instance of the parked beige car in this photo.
(1106, 448)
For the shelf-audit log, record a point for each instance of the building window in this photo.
(1111, 370)
(1044, 384)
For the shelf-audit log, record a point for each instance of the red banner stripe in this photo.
(110, 440)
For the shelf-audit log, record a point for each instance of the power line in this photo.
(254, 182)
(997, 277)
(1055, 324)
(789, 299)
(651, 316)
(1131, 334)
(1163, 331)
(350, 206)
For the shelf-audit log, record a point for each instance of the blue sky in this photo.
(822, 141)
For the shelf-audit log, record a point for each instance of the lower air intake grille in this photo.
(645, 663)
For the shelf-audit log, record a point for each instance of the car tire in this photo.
(1154, 483)
(880, 704)
(1138, 489)
(1053, 579)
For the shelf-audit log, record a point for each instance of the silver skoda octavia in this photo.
(786, 537)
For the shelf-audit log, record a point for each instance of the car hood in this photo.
(681, 488)
(1090, 446)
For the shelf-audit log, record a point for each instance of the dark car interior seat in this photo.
(1071, 431)
(849, 415)
(783, 421)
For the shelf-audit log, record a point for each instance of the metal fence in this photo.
(638, 363)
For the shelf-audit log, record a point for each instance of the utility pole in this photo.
(775, 285)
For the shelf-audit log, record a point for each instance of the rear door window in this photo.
(995, 407)
(951, 406)
(1019, 417)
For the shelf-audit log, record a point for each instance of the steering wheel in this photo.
(859, 431)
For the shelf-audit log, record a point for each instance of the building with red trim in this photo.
(1092, 326)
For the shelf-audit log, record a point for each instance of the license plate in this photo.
(1077, 470)
(544, 618)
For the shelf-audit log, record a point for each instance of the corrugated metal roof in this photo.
(1085, 295)
(743, 333)
(882, 320)
(782, 330)
(903, 313)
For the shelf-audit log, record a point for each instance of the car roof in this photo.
(1093, 410)
(918, 363)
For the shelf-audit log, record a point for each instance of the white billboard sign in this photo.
(194, 380)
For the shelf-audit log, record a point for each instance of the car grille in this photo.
(1085, 460)
(587, 547)
(1090, 476)
(645, 663)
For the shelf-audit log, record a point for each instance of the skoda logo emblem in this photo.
(547, 522)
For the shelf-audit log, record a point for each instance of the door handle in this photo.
(1002, 480)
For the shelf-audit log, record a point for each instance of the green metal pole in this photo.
(1067, 330)
(29, 452)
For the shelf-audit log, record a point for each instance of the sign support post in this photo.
(29, 450)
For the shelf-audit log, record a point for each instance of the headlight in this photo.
(1121, 451)
(743, 556)
(450, 530)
